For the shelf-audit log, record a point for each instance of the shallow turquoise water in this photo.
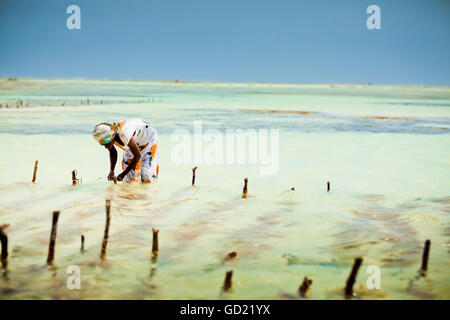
(385, 150)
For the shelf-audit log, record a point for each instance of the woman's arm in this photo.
(137, 156)
(112, 161)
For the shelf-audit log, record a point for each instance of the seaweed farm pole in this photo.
(82, 244)
(35, 171)
(105, 236)
(245, 189)
(352, 277)
(154, 253)
(155, 244)
(231, 255)
(227, 284)
(74, 177)
(51, 246)
(193, 175)
(426, 253)
(4, 241)
(303, 289)
(328, 186)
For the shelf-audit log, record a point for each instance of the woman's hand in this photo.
(111, 175)
(120, 177)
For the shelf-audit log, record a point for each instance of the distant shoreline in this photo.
(229, 83)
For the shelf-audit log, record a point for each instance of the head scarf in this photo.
(105, 132)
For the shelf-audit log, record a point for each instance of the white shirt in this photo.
(141, 130)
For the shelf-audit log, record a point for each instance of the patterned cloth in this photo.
(105, 132)
(142, 132)
(148, 166)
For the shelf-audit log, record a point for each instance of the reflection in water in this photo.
(379, 229)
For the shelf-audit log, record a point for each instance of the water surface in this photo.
(385, 150)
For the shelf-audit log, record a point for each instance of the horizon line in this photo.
(8, 78)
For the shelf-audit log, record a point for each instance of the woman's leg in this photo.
(150, 164)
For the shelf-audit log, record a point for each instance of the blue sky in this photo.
(314, 41)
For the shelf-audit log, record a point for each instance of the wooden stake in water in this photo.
(227, 284)
(155, 244)
(154, 253)
(74, 177)
(426, 253)
(245, 189)
(352, 277)
(303, 289)
(82, 244)
(51, 246)
(4, 241)
(229, 256)
(328, 186)
(35, 171)
(193, 175)
(106, 234)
